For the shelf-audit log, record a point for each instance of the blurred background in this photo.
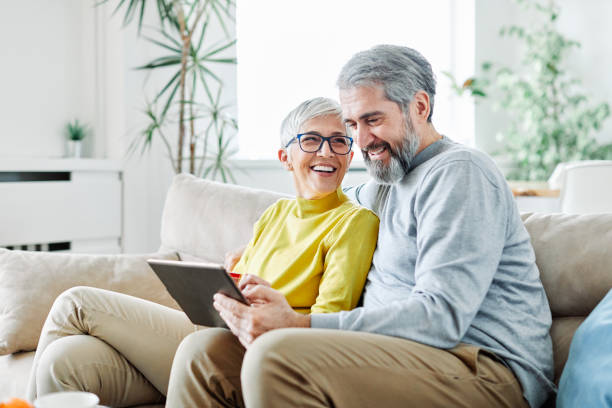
(101, 103)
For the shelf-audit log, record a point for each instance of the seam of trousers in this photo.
(66, 322)
(321, 369)
(80, 367)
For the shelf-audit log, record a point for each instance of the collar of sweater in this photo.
(307, 207)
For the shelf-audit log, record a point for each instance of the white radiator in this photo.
(61, 205)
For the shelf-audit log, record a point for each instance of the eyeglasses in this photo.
(312, 143)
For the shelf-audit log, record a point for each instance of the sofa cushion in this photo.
(14, 372)
(30, 282)
(204, 219)
(562, 331)
(574, 255)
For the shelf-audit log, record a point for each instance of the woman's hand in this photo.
(232, 258)
(269, 310)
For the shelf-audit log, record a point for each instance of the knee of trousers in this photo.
(61, 366)
(268, 354)
(202, 346)
(70, 297)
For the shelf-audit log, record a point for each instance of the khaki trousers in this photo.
(331, 368)
(132, 352)
(114, 345)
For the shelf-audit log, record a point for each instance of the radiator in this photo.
(61, 205)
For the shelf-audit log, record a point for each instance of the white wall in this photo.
(47, 75)
(67, 59)
(584, 21)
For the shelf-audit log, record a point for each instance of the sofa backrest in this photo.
(574, 255)
(573, 252)
(203, 220)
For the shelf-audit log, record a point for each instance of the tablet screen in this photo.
(193, 285)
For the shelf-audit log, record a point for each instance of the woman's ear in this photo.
(283, 157)
(350, 158)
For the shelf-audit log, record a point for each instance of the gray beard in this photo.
(400, 161)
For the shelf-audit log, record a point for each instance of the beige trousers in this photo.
(132, 352)
(117, 346)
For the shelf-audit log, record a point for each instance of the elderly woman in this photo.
(315, 249)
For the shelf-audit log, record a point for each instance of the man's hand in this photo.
(268, 310)
(250, 281)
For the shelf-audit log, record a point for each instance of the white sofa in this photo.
(202, 220)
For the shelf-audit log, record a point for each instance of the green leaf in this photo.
(174, 78)
(166, 46)
(161, 62)
(169, 100)
(218, 50)
(478, 92)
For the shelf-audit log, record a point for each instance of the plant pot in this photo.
(74, 148)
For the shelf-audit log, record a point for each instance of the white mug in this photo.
(68, 399)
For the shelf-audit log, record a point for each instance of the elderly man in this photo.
(454, 313)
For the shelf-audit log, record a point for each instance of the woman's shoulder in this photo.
(352, 210)
(280, 206)
(354, 222)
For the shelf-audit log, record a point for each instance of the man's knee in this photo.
(206, 367)
(270, 353)
(202, 345)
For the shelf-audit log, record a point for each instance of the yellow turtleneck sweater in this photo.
(315, 252)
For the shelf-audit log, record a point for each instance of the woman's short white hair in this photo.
(312, 108)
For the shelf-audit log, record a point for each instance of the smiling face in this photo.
(318, 174)
(384, 133)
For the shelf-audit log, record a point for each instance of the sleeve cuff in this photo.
(325, 321)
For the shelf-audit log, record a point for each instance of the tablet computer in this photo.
(193, 284)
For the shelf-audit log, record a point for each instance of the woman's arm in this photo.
(347, 262)
(232, 258)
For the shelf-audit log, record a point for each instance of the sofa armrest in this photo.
(30, 282)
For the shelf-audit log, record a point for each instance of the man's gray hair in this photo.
(401, 71)
(305, 111)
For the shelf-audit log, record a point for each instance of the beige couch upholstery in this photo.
(202, 220)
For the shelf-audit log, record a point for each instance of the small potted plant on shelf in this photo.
(76, 132)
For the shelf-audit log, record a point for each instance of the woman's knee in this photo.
(71, 297)
(60, 367)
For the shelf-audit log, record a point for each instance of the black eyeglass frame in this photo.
(323, 140)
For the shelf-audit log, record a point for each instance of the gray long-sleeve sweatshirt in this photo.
(454, 263)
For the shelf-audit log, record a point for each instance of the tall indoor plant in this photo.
(186, 112)
(552, 119)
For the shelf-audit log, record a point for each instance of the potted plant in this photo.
(552, 119)
(75, 133)
(187, 114)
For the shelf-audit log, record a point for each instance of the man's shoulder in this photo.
(363, 194)
(458, 157)
(460, 152)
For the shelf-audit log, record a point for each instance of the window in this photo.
(289, 51)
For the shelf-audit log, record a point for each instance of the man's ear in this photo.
(283, 157)
(419, 107)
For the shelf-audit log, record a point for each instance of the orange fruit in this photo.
(16, 403)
